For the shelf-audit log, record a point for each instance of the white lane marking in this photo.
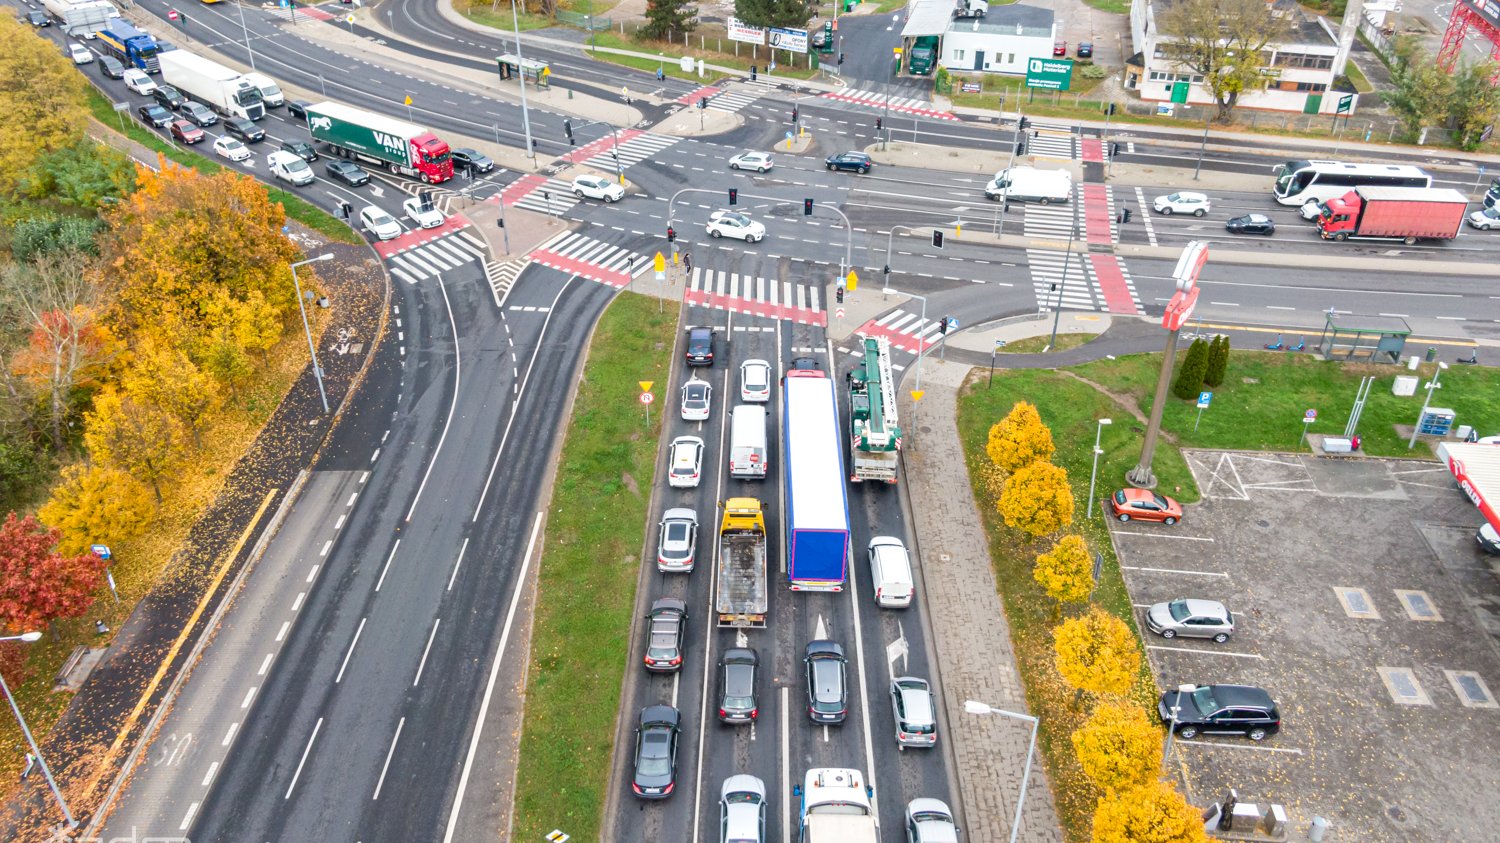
(350, 651)
(305, 750)
(192, 811)
(786, 761)
(209, 776)
(1176, 571)
(456, 563)
(1165, 536)
(249, 695)
(1230, 653)
(264, 666)
(859, 652)
(452, 405)
(387, 564)
(1217, 745)
(379, 783)
(425, 650)
(229, 735)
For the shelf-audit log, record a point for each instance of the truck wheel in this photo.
(426, 178)
(1410, 241)
(1341, 236)
(395, 170)
(1044, 201)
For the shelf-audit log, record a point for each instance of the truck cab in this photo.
(836, 806)
(270, 94)
(923, 55)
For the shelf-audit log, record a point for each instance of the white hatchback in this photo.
(598, 187)
(755, 381)
(379, 223)
(742, 810)
(138, 81)
(685, 462)
(227, 147)
(80, 54)
(697, 397)
(736, 225)
(1182, 202)
(422, 213)
(760, 162)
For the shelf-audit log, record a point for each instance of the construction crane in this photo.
(875, 435)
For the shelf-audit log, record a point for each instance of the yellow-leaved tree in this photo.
(1037, 499)
(1097, 653)
(140, 439)
(1019, 439)
(43, 100)
(164, 376)
(1118, 748)
(1152, 813)
(1066, 571)
(96, 503)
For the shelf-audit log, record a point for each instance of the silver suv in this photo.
(916, 721)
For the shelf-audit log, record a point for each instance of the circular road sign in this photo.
(647, 398)
(1310, 414)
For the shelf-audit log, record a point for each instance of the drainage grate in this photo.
(1418, 605)
(1471, 690)
(1401, 683)
(1356, 603)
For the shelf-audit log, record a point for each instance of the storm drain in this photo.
(1471, 690)
(1401, 683)
(1356, 603)
(1419, 606)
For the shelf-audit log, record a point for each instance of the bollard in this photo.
(1318, 829)
(570, 93)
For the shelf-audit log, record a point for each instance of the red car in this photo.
(186, 132)
(1060, 48)
(1145, 505)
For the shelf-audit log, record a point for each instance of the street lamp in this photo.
(1432, 385)
(311, 349)
(1093, 475)
(1067, 262)
(921, 328)
(521, 81)
(974, 707)
(29, 637)
(1172, 726)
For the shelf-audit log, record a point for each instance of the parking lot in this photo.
(1364, 606)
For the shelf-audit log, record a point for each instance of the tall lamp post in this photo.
(311, 349)
(29, 637)
(1094, 475)
(974, 707)
(1432, 386)
(921, 326)
(521, 80)
(1166, 753)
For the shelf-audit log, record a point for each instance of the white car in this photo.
(734, 224)
(930, 821)
(227, 147)
(679, 541)
(422, 213)
(138, 81)
(1486, 219)
(1311, 209)
(598, 187)
(685, 457)
(379, 223)
(742, 810)
(755, 381)
(80, 54)
(1182, 202)
(697, 396)
(760, 162)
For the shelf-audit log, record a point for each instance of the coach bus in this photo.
(1300, 182)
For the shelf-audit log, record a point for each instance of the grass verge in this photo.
(993, 85)
(587, 577)
(671, 52)
(1035, 345)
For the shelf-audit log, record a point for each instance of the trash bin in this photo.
(1318, 830)
(1431, 353)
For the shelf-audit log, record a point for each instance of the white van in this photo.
(289, 167)
(1028, 184)
(890, 573)
(747, 442)
(269, 92)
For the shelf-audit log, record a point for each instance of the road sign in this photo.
(952, 323)
(838, 313)
(1310, 416)
(645, 385)
(1049, 74)
(916, 394)
(100, 550)
(1204, 398)
(851, 281)
(647, 398)
(171, 14)
(1346, 104)
(349, 19)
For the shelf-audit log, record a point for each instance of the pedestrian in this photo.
(100, 627)
(661, 75)
(30, 763)
(687, 261)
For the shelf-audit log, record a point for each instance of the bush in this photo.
(1190, 376)
(1093, 71)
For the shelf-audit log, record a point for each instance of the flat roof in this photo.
(928, 17)
(1476, 467)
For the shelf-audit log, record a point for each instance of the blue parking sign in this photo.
(1204, 398)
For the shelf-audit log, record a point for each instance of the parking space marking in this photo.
(1401, 683)
(1165, 536)
(1218, 745)
(1177, 571)
(1230, 653)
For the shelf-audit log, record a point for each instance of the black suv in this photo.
(700, 346)
(111, 67)
(169, 97)
(471, 159)
(856, 161)
(245, 130)
(737, 673)
(827, 688)
(1221, 710)
(301, 149)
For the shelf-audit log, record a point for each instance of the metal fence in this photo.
(597, 24)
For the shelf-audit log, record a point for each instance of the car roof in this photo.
(824, 649)
(687, 440)
(1242, 695)
(1190, 195)
(743, 782)
(1257, 217)
(1207, 608)
(740, 655)
(652, 714)
(668, 604)
(680, 513)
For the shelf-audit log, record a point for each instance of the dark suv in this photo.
(169, 97)
(856, 161)
(245, 130)
(700, 346)
(827, 689)
(737, 673)
(1221, 710)
(301, 149)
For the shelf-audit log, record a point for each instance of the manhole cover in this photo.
(1262, 523)
(1396, 813)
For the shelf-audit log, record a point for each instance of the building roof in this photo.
(928, 17)
(1015, 19)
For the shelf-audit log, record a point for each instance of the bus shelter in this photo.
(1378, 339)
(531, 70)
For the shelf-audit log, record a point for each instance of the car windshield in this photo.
(930, 817)
(1203, 700)
(1160, 501)
(379, 218)
(743, 797)
(1179, 610)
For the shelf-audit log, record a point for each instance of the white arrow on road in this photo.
(897, 649)
(822, 631)
(375, 189)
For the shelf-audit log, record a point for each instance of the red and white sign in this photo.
(171, 14)
(647, 398)
(1476, 467)
(1179, 309)
(838, 312)
(741, 31)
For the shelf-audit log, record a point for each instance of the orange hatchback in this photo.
(1145, 505)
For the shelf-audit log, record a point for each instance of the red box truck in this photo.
(1408, 214)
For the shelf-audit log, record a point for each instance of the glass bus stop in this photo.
(531, 70)
(1351, 336)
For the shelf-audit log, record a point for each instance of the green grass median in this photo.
(586, 582)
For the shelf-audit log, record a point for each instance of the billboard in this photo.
(741, 31)
(1487, 9)
(793, 40)
(1049, 74)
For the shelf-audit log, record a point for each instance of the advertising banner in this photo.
(740, 31)
(792, 40)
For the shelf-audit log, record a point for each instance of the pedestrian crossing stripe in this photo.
(426, 259)
(876, 99)
(904, 330)
(1052, 143)
(733, 99)
(637, 148)
(539, 193)
(1049, 222)
(768, 297)
(596, 260)
(1073, 281)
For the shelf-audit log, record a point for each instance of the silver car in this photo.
(930, 821)
(916, 718)
(1191, 619)
(742, 810)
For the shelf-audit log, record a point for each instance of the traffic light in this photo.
(1020, 147)
(1024, 124)
(1114, 150)
(568, 130)
(806, 207)
(702, 103)
(752, 73)
(795, 113)
(878, 124)
(838, 294)
(1109, 109)
(734, 195)
(1127, 214)
(937, 239)
(886, 271)
(943, 326)
(671, 234)
(841, 56)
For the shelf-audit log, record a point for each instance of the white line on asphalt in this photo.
(249, 695)
(313, 573)
(229, 735)
(1278, 307)
(297, 603)
(209, 776)
(452, 404)
(328, 545)
(339, 524)
(264, 666)
(457, 562)
(305, 750)
(380, 782)
(353, 496)
(192, 811)
(1206, 652)
(1217, 745)
(489, 689)
(1175, 571)
(1165, 536)
(859, 653)
(786, 761)
(375, 455)
(350, 651)
(387, 564)
(425, 650)
(281, 633)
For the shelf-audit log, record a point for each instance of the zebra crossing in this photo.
(744, 93)
(1081, 281)
(1049, 222)
(880, 100)
(428, 258)
(1052, 140)
(768, 297)
(581, 255)
(541, 194)
(637, 148)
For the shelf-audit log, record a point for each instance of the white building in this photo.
(999, 42)
(1298, 74)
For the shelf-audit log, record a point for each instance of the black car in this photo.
(656, 752)
(111, 67)
(471, 159)
(348, 172)
(301, 149)
(1251, 224)
(245, 130)
(1085, 49)
(856, 161)
(665, 628)
(36, 18)
(168, 97)
(198, 113)
(155, 115)
(738, 669)
(1221, 710)
(298, 108)
(827, 687)
(700, 346)
(805, 364)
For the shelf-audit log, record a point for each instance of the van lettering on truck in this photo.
(401, 147)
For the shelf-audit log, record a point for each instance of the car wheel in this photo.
(752, 239)
(715, 234)
(1187, 733)
(733, 166)
(863, 170)
(578, 193)
(1169, 521)
(1484, 228)
(1200, 212)
(1256, 734)
(830, 166)
(1169, 633)
(1167, 211)
(1221, 638)
(1124, 516)
(608, 198)
(1044, 201)
(763, 170)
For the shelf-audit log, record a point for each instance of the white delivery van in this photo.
(289, 167)
(747, 442)
(890, 573)
(269, 92)
(1028, 184)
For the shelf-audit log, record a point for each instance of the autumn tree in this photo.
(1475, 104)
(1118, 747)
(1097, 653)
(1065, 571)
(82, 174)
(1224, 41)
(1037, 499)
(140, 439)
(1420, 90)
(43, 100)
(94, 503)
(163, 376)
(1190, 373)
(1151, 813)
(1020, 438)
(38, 585)
(669, 18)
(1218, 361)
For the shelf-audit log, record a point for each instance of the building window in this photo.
(1010, 58)
(1303, 60)
(958, 55)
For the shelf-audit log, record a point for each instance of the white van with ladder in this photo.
(747, 442)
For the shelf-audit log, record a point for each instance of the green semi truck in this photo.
(401, 147)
